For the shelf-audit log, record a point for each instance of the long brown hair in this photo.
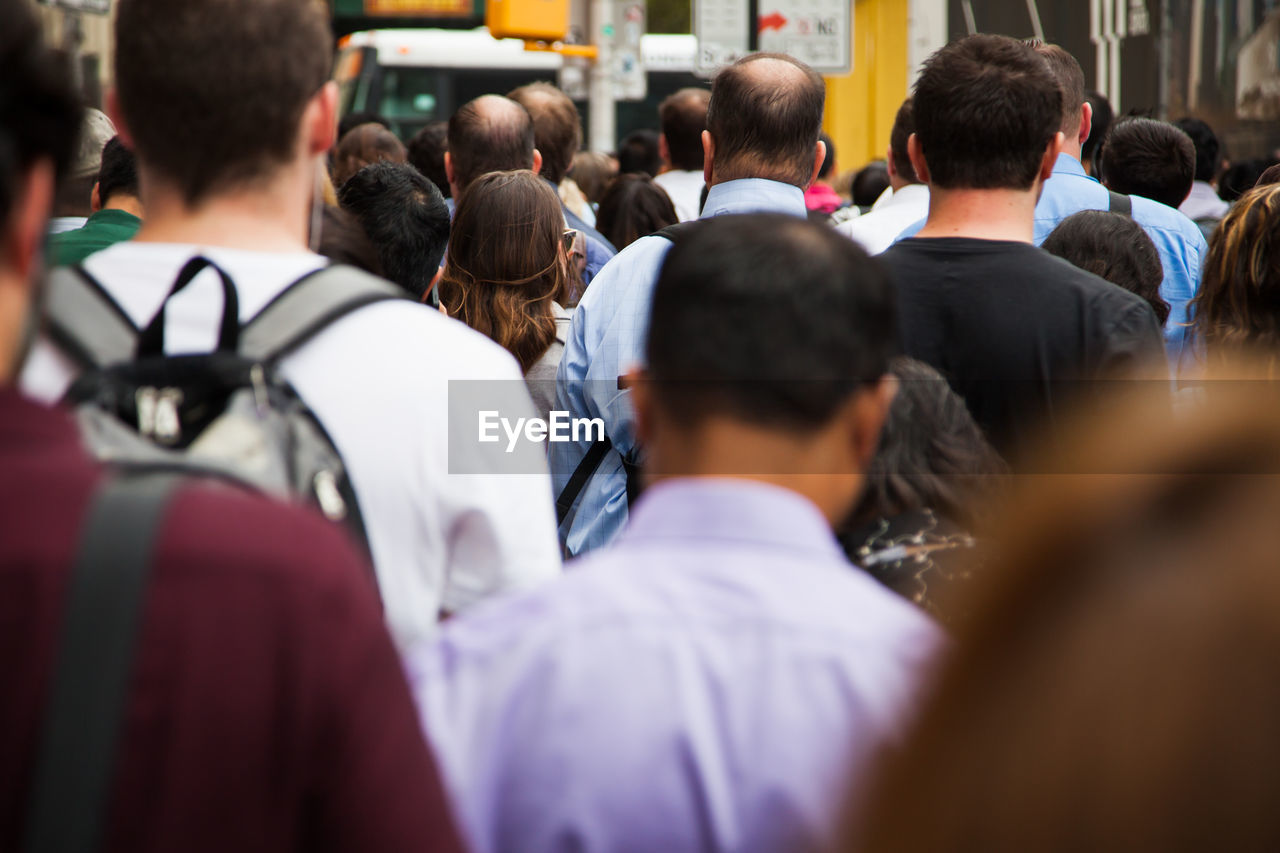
(1116, 687)
(1238, 306)
(505, 264)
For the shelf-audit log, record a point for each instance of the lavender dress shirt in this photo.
(713, 681)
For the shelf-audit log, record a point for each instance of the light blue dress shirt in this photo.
(712, 682)
(1178, 240)
(607, 339)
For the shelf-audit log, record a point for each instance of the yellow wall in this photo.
(861, 106)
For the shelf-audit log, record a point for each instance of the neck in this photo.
(127, 203)
(1072, 144)
(982, 214)
(812, 466)
(267, 217)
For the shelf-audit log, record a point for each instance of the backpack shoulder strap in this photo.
(309, 305)
(84, 321)
(89, 686)
(676, 233)
(1120, 204)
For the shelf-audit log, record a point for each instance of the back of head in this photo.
(632, 207)
(986, 109)
(932, 455)
(768, 320)
(1114, 247)
(506, 263)
(405, 218)
(1240, 177)
(1238, 304)
(201, 122)
(638, 153)
(426, 153)
(764, 117)
(363, 145)
(557, 128)
(683, 117)
(1150, 158)
(489, 134)
(1109, 692)
(904, 124)
(870, 182)
(118, 176)
(1208, 150)
(351, 121)
(38, 110)
(74, 194)
(1103, 115)
(593, 172)
(1070, 76)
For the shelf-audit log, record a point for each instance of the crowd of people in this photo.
(914, 508)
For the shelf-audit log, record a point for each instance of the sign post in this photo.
(817, 32)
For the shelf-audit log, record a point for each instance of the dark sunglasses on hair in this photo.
(568, 239)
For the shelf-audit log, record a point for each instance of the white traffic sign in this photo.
(817, 32)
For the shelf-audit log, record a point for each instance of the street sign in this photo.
(817, 32)
(427, 8)
(630, 83)
(95, 7)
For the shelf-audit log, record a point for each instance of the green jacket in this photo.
(105, 228)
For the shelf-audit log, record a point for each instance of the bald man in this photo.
(488, 134)
(761, 151)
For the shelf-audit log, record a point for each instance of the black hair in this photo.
(904, 124)
(768, 319)
(426, 153)
(932, 455)
(351, 121)
(871, 180)
(39, 113)
(1114, 247)
(1240, 177)
(1208, 149)
(638, 153)
(406, 218)
(1150, 158)
(986, 109)
(764, 119)
(489, 134)
(1103, 115)
(683, 116)
(632, 207)
(119, 172)
(343, 241)
(829, 161)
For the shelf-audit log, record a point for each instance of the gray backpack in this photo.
(227, 413)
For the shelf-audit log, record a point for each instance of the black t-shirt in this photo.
(1015, 330)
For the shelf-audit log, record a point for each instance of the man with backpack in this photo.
(230, 155)
(186, 666)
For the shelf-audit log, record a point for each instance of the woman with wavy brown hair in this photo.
(1238, 306)
(507, 271)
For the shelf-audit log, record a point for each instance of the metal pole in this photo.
(603, 119)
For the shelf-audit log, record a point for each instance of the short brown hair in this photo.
(505, 265)
(557, 128)
(1070, 76)
(489, 134)
(904, 124)
(683, 116)
(213, 91)
(363, 145)
(766, 125)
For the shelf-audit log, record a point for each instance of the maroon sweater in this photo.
(269, 710)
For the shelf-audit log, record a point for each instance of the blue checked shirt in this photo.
(606, 340)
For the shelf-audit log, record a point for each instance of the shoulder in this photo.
(1152, 215)
(641, 260)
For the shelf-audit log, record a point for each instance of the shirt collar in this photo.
(114, 216)
(1068, 165)
(755, 195)
(727, 509)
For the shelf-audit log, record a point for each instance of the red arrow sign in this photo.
(773, 21)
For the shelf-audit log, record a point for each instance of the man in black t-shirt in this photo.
(1013, 329)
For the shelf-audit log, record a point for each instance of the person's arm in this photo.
(376, 785)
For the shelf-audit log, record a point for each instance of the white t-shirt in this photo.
(877, 230)
(378, 380)
(685, 189)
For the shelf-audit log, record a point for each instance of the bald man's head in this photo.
(489, 134)
(764, 118)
